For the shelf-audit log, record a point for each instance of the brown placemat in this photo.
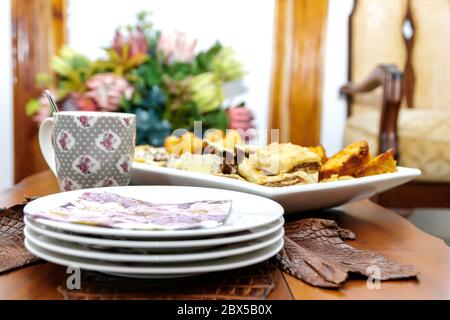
(12, 250)
(254, 282)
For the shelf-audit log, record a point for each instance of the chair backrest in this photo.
(412, 34)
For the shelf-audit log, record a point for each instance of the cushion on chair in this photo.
(424, 139)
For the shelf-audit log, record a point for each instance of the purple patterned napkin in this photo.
(112, 210)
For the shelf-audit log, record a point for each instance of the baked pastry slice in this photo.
(383, 163)
(255, 175)
(203, 163)
(151, 155)
(348, 161)
(280, 158)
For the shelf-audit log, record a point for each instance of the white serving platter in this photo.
(293, 198)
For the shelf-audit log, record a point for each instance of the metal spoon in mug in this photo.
(51, 101)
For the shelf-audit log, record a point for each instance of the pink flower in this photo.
(84, 120)
(78, 101)
(68, 185)
(240, 117)
(44, 108)
(177, 46)
(108, 141)
(63, 141)
(124, 166)
(106, 89)
(135, 40)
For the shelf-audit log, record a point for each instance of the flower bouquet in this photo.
(155, 75)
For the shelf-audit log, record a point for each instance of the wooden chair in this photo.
(404, 103)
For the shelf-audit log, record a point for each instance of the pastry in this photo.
(204, 163)
(383, 163)
(347, 161)
(151, 155)
(188, 142)
(282, 158)
(320, 151)
(278, 165)
(252, 174)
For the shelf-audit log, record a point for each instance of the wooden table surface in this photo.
(376, 228)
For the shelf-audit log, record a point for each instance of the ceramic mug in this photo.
(89, 149)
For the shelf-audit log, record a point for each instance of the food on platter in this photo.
(279, 158)
(204, 163)
(320, 151)
(279, 165)
(231, 176)
(112, 210)
(382, 163)
(214, 135)
(188, 142)
(252, 174)
(151, 155)
(347, 161)
(336, 177)
(274, 165)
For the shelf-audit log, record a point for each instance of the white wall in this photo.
(234, 22)
(336, 68)
(6, 122)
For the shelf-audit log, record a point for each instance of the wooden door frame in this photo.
(298, 70)
(38, 31)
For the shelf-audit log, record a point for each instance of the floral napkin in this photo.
(112, 210)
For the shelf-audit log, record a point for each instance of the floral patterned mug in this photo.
(89, 149)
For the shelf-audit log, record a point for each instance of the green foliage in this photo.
(32, 107)
(207, 91)
(72, 70)
(215, 119)
(150, 74)
(119, 64)
(184, 116)
(202, 62)
(179, 70)
(225, 65)
(44, 80)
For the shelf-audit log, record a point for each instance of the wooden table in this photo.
(376, 228)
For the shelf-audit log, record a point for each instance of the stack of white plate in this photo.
(252, 233)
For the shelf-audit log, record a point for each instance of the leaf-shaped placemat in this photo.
(254, 282)
(12, 251)
(315, 252)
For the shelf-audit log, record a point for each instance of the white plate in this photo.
(161, 245)
(74, 250)
(292, 198)
(247, 211)
(180, 269)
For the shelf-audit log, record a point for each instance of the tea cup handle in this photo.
(46, 143)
